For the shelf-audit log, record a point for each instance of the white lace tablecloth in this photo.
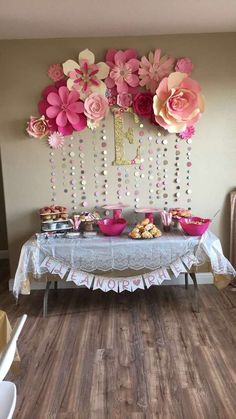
(119, 253)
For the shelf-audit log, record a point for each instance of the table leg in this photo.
(186, 280)
(55, 285)
(45, 299)
(196, 293)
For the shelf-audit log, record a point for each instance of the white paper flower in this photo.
(56, 140)
(86, 76)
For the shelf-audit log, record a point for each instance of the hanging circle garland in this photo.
(155, 87)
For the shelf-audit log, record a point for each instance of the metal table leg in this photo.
(45, 299)
(196, 293)
(186, 280)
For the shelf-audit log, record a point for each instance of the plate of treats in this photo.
(178, 213)
(144, 231)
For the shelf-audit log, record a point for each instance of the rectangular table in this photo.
(108, 254)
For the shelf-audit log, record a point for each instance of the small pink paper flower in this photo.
(187, 133)
(184, 65)
(153, 68)
(37, 127)
(124, 70)
(86, 77)
(56, 140)
(55, 72)
(178, 102)
(124, 100)
(96, 107)
(143, 104)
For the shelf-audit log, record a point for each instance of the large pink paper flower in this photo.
(178, 102)
(96, 107)
(124, 70)
(86, 76)
(63, 108)
(153, 68)
(184, 65)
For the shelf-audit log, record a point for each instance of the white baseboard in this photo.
(4, 254)
(202, 278)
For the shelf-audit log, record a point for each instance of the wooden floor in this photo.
(128, 356)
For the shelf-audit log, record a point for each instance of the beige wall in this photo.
(3, 225)
(25, 161)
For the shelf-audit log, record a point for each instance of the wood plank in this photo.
(141, 355)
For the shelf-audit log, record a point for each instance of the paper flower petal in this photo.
(130, 53)
(70, 84)
(53, 99)
(72, 117)
(110, 83)
(42, 107)
(101, 89)
(52, 111)
(122, 87)
(77, 107)
(87, 55)
(63, 93)
(110, 54)
(82, 124)
(66, 130)
(61, 119)
(103, 70)
(134, 64)
(120, 58)
(73, 97)
(48, 89)
(69, 66)
(175, 79)
(132, 80)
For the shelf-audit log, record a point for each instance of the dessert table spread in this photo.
(5, 333)
(77, 259)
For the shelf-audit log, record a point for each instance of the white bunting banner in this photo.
(162, 275)
(112, 284)
(60, 269)
(74, 276)
(100, 283)
(189, 259)
(151, 279)
(125, 284)
(85, 279)
(137, 282)
(177, 267)
(49, 263)
(120, 284)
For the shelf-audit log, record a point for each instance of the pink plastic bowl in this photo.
(194, 229)
(112, 227)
